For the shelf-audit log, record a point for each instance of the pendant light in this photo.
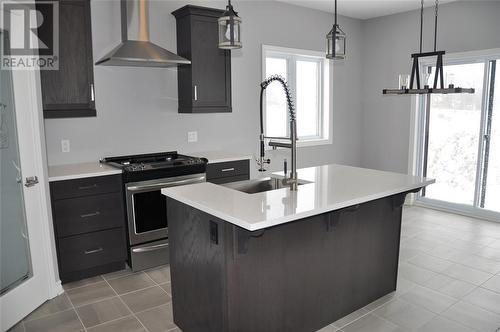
(229, 29)
(404, 88)
(335, 41)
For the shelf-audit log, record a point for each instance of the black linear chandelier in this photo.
(335, 41)
(404, 89)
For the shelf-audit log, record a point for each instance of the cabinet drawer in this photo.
(88, 214)
(86, 186)
(228, 169)
(89, 250)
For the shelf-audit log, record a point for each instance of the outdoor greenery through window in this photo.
(307, 75)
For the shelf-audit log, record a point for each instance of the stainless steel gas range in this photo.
(144, 176)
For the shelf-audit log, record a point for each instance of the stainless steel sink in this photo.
(260, 185)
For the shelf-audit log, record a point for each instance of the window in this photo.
(460, 137)
(307, 74)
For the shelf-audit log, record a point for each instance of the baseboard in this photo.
(57, 289)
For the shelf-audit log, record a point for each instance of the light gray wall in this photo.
(388, 43)
(137, 107)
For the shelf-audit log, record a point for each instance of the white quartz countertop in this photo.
(78, 171)
(332, 187)
(221, 156)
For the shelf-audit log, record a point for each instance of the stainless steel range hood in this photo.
(136, 50)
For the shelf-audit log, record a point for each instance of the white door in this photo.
(26, 266)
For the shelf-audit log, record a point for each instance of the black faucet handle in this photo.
(285, 166)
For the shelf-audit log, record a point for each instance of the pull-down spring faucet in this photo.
(292, 181)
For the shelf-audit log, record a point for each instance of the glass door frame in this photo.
(421, 139)
(44, 282)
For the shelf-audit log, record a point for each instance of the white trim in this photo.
(48, 235)
(413, 143)
(44, 282)
(464, 210)
(326, 130)
(296, 51)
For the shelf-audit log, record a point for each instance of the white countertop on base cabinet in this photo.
(78, 171)
(221, 156)
(332, 187)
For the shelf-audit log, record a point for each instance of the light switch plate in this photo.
(65, 147)
(192, 136)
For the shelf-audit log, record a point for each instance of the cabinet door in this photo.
(69, 91)
(366, 251)
(211, 68)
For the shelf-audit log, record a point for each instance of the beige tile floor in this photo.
(449, 281)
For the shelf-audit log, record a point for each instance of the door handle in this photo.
(88, 252)
(195, 92)
(90, 215)
(92, 93)
(167, 184)
(88, 187)
(150, 248)
(31, 181)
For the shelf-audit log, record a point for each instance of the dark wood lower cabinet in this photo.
(299, 276)
(230, 171)
(89, 223)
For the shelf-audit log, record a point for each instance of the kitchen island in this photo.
(282, 260)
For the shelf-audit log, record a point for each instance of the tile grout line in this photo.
(450, 261)
(76, 312)
(129, 315)
(110, 321)
(77, 287)
(159, 285)
(457, 301)
(146, 273)
(421, 307)
(49, 315)
(133, 314)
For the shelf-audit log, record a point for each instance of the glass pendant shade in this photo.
(336, 43)
(229, 29)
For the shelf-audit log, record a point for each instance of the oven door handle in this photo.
(167, 184)
(150, 248)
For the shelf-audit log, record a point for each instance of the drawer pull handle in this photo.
(94, 251)
(90, 215)
(228, 169)
(150, 248)
(88, 187)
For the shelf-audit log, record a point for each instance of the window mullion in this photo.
(320, 106)
(486, 132)
(481, 146)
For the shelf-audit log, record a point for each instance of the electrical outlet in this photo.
(192, 136)
(65, 145)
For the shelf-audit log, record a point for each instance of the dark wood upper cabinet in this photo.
(69, 91)
(205, 85)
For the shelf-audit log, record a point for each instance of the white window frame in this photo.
(325, 110)
(418, 130)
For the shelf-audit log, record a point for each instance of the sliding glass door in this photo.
(460, 139)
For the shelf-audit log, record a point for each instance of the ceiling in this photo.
(364, 9)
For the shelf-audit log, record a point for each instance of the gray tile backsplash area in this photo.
(137, 107)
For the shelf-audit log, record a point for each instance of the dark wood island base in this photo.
(298, 276)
